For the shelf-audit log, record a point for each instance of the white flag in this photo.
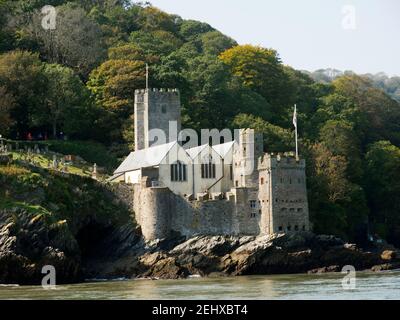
(295, 117)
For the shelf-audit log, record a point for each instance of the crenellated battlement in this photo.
(281, 160)
(157, 90)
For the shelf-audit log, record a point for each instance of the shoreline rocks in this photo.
(122, 253)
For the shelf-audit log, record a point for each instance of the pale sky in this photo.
(308, 34)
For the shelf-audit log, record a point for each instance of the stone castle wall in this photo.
(278, 204)
(159, 211)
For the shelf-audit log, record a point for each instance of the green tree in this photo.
(158, 42)
(65, 94)
(21, 73)
(77, 41)
(341, 139)
(276, 139)
(114, 82)
(382, 113)
(261, 70)
(383, 185)
(7, 102)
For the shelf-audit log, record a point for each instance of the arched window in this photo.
(178, 172)
(208, 168)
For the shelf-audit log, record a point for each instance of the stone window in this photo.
(262, 181)
(237, 183)
(178, 172)
(280, 228)
(208, 169)
(296, 228)
(164, 108)
(283, 209)
(299, 209)
(291, 209)
(252, 215)
(253, 204)
(231, 172)
(304, 228)
(289, 228)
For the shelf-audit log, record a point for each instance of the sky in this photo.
(358, 35)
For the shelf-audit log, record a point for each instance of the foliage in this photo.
(349, 125)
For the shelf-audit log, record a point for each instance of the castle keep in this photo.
(233, 188)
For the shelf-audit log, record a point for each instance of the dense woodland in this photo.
(79, 79)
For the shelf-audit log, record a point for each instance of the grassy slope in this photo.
(58, 198)
(91, 152)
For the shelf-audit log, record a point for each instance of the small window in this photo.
(296, 228)
(262, 181)
(252, 215)
(208, 170)
(231, 172)
(289, 228)
(280, 228)
(164, 108)
(178, 172)
(283, 209)
(237, 183)
(299, 209)
(291, 209)
(304, 228)
(290, 180)
(253, 204)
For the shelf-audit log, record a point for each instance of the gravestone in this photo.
(94, 173)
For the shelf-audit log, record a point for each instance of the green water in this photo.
(385, 285)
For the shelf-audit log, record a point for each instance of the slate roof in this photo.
(223, 149)
(194, 152)
(145, 158)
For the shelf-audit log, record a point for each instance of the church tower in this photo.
(156, 111)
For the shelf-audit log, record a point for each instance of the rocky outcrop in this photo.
(121, 252)
(211, 256)
(28, 243)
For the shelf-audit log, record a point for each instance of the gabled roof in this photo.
(223, 149)
(194, 152)
(149, 157)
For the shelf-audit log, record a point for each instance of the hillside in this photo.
(390, 85)
(76, 83)
(53, 218)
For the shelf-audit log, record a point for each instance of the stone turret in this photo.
(283, 194)
(156, 109)
(247, 152)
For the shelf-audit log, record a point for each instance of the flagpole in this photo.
(295, 126)
(147, 76)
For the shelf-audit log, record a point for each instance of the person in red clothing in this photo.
(29, 136)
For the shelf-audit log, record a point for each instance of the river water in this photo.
(384, 285)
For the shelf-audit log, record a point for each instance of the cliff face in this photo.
(50, 218)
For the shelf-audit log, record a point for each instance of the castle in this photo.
(230, 188)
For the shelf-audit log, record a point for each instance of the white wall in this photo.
(201, 185)
(185, 187)
(133, 176)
